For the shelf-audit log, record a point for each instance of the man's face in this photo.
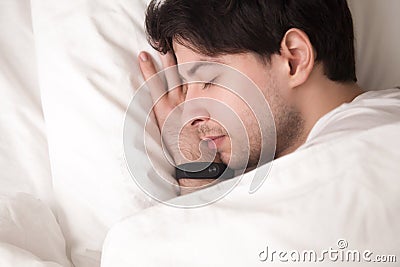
(226, 131)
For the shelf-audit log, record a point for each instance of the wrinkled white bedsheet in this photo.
(29, 233)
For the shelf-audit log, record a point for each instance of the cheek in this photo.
(228, 99)
(232, 113)
(239, 121)
(229, 111)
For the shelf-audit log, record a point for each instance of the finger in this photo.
(153, 81)
(173, 79)
(168, 59)
(207, 154)
(147, 66)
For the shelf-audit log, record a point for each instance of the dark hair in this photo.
(216, 27)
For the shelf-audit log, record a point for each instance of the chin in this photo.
(239, 163)
(235, 163)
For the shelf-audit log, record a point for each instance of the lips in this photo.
(214, 142)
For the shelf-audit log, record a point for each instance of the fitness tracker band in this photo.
(203, 170)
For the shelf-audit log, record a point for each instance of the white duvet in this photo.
(346, 189)
(68, 71)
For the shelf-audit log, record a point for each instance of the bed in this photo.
(68, 73)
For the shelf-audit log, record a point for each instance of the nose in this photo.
(195, 110)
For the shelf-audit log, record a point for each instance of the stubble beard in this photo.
(289, 122)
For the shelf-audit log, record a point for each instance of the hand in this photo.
(182, 141)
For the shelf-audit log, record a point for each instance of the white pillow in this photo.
(377, 42)
(24, 159)
(88, 71)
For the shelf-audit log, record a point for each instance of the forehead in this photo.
(184, 54)
(191, 62)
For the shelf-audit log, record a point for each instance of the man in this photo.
(300, 54)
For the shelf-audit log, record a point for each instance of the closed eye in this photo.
(207, 85)
(184, 88)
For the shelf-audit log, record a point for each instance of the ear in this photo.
(298, 53)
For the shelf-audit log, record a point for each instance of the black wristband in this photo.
(203, 170)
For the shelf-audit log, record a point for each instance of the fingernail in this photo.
(143, 57)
